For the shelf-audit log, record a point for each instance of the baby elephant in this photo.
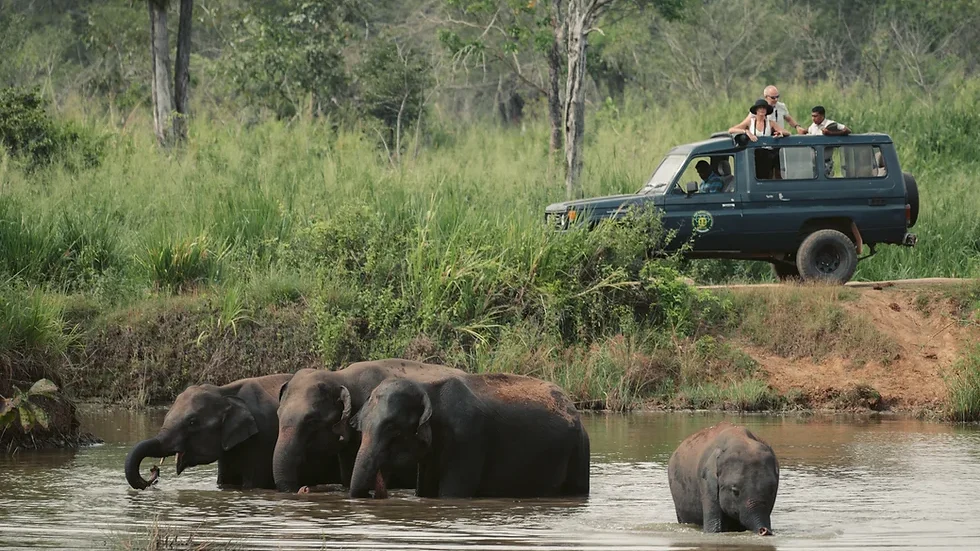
(473, 436)
(725, 479)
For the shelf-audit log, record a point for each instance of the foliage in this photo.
(27, 131)
(287, 56)
(394, 81)
(19, 407)
(29, 322)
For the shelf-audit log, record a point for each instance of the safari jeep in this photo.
(806, 204)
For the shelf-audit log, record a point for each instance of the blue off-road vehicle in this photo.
(806, 204)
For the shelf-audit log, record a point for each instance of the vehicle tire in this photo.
(827, 256)
(785, 271)
(911, 197)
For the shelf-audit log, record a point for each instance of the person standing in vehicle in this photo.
(758, 124)
(780, 113)
(823, 125)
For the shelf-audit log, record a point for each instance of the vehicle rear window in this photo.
(854, 161)
(786, 163)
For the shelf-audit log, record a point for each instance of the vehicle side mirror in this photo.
(690, 188)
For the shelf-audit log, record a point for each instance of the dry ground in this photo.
(926, 329)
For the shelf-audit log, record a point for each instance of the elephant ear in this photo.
(424, 431)
(341, 428)
(282, 390)
(239, 424)
(709, 476)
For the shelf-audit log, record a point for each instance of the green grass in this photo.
(963, 387)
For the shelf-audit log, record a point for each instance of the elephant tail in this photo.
(578, 471)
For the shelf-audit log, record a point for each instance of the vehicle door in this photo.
(711, 216)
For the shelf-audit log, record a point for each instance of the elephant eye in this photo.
(735, 491)
(192, 422)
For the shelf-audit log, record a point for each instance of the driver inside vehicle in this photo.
(711, 182)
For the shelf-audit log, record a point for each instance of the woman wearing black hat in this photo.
(757, 124)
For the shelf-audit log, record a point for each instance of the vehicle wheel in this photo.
(785, 271)
(828, 256)
(912, 197)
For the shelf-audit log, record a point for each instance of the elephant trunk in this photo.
(758, 522)
(147, 448)
(286, 461)
(367, 473)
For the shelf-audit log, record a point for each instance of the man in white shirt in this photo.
(780, 113)
(823, 125)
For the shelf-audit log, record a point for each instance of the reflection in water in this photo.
(845, 483)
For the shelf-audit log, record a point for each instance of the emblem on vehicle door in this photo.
(702, 221)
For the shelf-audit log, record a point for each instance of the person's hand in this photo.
(826, 131)
(752, 137)
(800, 129)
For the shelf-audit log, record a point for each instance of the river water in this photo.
(845, 483)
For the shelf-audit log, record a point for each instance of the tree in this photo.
(394, 81)
(288, 56)
(580, 18)
(169, 123)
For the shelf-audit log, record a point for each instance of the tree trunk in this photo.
(554, 78)
(574, 114)
(160, 55)
(182, 70)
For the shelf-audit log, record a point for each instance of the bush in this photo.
(28, 132)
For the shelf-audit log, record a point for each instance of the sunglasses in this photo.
(773, 97)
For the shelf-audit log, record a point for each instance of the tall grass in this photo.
(963, 387)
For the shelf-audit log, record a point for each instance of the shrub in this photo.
(27, 131)
(176, 265)
(963, 388)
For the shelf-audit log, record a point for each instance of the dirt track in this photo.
(903, 283)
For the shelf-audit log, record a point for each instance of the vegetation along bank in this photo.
(301, 227)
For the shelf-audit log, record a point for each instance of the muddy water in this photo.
(845, 483)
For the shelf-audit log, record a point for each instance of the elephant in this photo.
(234, 424)
(315, 409)
(725, 479)
(489, 435)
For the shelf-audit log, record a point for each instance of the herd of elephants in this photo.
(396, 423)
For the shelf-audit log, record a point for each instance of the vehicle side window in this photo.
(854, 161)
(711, 173)
(786, 163)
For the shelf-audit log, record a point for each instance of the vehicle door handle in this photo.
(728, 205)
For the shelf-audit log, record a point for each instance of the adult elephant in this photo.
(725, 479)
(315, 409)
(234, 424)
(490, 435)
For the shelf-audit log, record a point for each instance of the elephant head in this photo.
(742, 473)
(201, 425)
(395, 426)
(314, 420)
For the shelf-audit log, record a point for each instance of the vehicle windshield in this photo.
(663, 175)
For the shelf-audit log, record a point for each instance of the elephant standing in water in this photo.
(474, 436)
(725, 479)
(234, 424)
(315, 409)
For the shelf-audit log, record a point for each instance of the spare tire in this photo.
(911, 197)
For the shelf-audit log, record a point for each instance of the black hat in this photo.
(761, 103)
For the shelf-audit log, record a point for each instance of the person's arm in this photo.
(793, 124)
(778, 131)
(743, 128)
(840, 131)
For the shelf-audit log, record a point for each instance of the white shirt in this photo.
(779, 112)
(817, 129)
